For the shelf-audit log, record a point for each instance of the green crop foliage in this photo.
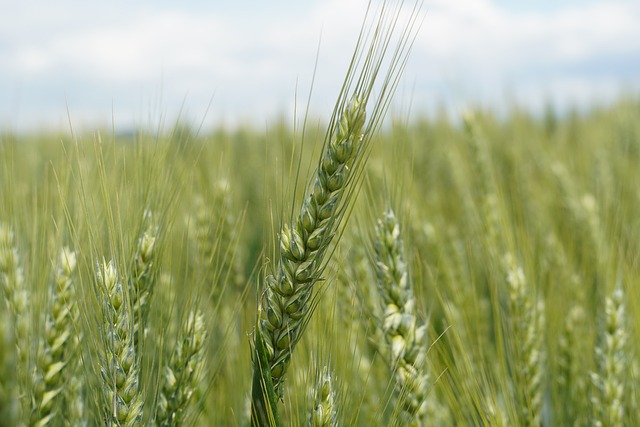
(467, 271)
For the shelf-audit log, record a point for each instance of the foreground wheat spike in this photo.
(119, 367)
(324, 412)
(405, 337)
(303, 245)
(58, 347)
(612, 363)
(526, 322)
(182, 373)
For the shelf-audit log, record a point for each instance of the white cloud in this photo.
(96, 56)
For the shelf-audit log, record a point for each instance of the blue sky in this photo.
(244, 61)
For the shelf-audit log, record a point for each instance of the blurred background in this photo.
(138, 64)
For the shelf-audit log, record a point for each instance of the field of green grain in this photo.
(472, 271)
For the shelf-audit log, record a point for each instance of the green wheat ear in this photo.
(526, 329)
(287, 303)
(181, 375)
(58, 347)
(303, 246)
(9, 391)
(610, 379)
(122, 397)
(142, 280)
(405, 337)
(324, 412)
(15, 293)
(16, 297)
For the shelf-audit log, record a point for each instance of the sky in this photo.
(134, 64)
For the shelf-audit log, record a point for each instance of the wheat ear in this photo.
(15, 293)
(303, 245)
(13, 286)
(182, 373)
(612, 363)
(120, 370)
(142, 280)
(9, 390)
(324, 412)
(405, 337)
(58, 347)
(526, 323)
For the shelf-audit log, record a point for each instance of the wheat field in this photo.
(468, 271)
